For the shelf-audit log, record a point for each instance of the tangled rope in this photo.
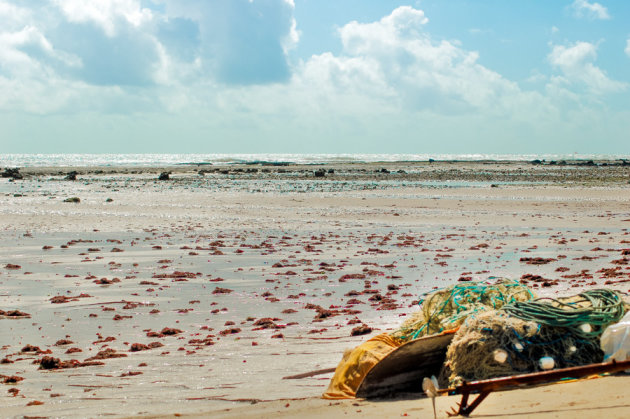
(594, 309)
(528, 336)
(448, 308)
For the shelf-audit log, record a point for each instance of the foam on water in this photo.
(148, 160)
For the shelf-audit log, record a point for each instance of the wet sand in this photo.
(215, 285)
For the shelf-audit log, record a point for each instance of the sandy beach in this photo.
(196, 295)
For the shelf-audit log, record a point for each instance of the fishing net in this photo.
(531, 336)
(447, 309)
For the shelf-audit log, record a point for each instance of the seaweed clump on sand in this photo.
(14, 314)
(51, 363)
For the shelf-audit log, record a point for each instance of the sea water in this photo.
(152, 160)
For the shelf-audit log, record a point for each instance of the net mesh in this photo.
(448, 308)
(531, 336)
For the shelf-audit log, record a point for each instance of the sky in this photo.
(315, 76)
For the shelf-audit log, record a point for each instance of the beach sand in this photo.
(185, 269)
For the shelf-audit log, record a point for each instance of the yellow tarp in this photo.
(355, 365)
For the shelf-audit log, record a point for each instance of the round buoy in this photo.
(546, 363)
(500, 356)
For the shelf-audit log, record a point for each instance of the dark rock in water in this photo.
(536, 161)
(71, 176)
(320, 173)
(13, 173)
(382, 170)
(74, 200)
(331, 171)
(202, 163)
(164, 176)
(271, 163)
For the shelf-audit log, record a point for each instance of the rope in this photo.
(525, 332)
(596, 308)
(448, 308)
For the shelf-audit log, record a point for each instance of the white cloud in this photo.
(536, 77)
(107, 14)
(627, 50)
(292, 38)
(12, 15)
(19, 63)
(171, 68)
(394, 57)
(388, 64)
(118, 46)
(582, 8)
(125, 42)
(243, 42)
(182, 59)
(574, 56)
(404, 23)
(576, 64)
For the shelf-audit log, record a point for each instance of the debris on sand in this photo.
(361, 330)
(14, 314)
(50, 363)
(106, 354)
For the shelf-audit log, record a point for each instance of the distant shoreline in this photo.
(168, 160)
(395, 174)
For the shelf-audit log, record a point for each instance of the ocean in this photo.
(151, 160)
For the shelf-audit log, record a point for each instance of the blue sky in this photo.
(314, 76)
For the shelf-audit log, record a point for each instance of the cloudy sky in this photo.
(315, 76)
